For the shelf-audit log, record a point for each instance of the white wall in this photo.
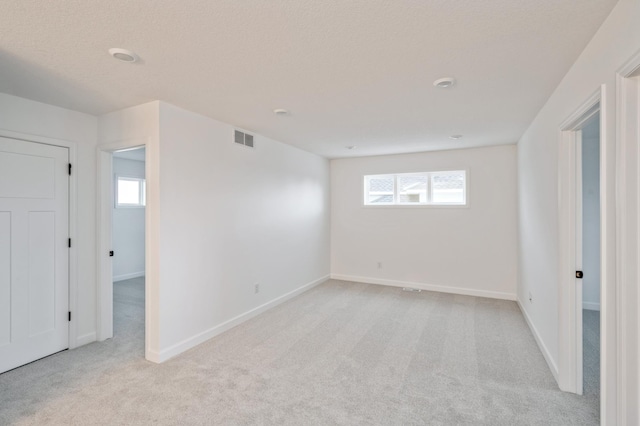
(34, 118)
(128, 233)
(591, 215)
(614, 43)
(221, 218)
(469, 250)
(232, 217)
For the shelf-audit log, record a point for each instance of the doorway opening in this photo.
(128, 245)
(584, 285)
(588, 253)
(138, 189)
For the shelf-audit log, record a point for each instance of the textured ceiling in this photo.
(355, 72)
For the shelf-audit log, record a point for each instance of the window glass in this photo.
(448, 188)
(412, 189)
(426, 188)
(380, 190)
(130, 192)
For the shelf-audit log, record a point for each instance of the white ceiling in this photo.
(355, 72)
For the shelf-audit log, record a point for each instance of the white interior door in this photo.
(34, 253)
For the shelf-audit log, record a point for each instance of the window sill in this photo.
(129, 207)
(420, 206)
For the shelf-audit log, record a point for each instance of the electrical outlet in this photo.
(530, 297)
(379, 265)
(256, 288)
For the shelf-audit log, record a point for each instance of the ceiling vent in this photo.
(243, 138)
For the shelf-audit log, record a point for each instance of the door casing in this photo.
(105, 184)
(570, 375)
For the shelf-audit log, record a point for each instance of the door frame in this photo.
(628, 238)
(105, 184)
(74, 339)
(570, 374)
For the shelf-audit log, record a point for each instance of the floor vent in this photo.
(243, 138)
(413, 290)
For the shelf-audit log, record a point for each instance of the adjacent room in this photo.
(320, 212)
(128, 242)
(590, 140)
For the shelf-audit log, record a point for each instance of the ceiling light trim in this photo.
(123, 55)
(445, 82)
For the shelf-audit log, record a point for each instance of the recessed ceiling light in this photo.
(445, 82)
(352, 147)
(123, 55)
(280, 111)
(455, 136)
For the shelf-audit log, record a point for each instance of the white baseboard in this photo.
(85, 339)
(428, 287)
(153, 356)
(591, 306)
(189, 343)
(127, 276)
(543, 348)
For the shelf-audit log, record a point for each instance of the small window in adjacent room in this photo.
(446, 188)
(130, 192)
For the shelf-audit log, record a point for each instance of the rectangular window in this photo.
(426, 188)
(380, 190)
(130, 192)
(448, 188)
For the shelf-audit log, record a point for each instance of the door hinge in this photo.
(69, 169)
(579, 274)
(69, 242)
(69, 315)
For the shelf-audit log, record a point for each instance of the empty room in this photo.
(320, 212)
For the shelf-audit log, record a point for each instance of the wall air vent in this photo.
(243, 138)
(239, 137)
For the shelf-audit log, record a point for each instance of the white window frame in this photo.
(142, 192)
(429, 201)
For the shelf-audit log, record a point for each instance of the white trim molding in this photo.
(536, 335)
(428, 287)
(591, 306)
(570, 377)
(86, 338)
(212, 332)
(128, 276)
(104, 189)
(628, 240)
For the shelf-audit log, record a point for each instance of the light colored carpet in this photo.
(341, 353)
(591, 355)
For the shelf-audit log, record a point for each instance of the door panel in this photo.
(42, 279)
(26, 176)
(34, 256)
